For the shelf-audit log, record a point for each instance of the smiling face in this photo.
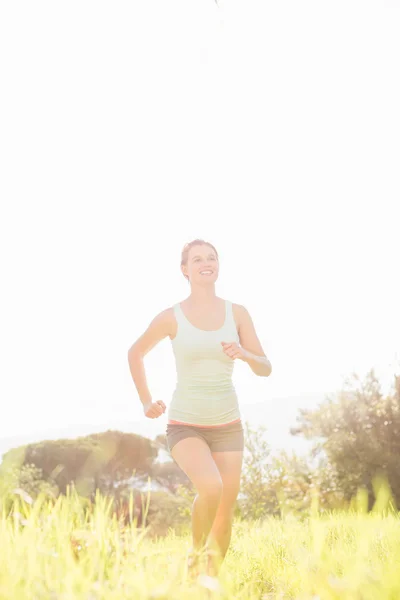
(202, 265)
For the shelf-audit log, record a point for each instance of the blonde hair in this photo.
(186, 248)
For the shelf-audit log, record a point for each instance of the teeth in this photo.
(205, 272)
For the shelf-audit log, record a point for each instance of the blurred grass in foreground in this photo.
(70, 549)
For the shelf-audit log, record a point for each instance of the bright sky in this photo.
(270, 129)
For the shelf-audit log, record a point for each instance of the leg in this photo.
(229, 464)
(194, 458)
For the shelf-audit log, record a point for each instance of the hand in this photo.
(233, 350)
(153, 410)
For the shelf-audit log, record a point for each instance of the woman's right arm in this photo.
(159, 328)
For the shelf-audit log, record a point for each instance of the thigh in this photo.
(193, 456)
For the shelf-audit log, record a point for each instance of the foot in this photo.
(213, 563)
(193, 562)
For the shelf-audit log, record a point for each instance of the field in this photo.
(61, 551)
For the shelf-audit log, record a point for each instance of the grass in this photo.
(62, 552)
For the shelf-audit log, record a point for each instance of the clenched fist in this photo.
(233, 350)
(154, 409)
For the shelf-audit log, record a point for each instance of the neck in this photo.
(202, 294)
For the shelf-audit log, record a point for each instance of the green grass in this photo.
(62, 552)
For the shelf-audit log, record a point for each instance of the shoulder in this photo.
(170, 319)
(240, 313)
(239, 309)
(166, 320)
(165, 314)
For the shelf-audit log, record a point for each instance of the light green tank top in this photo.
(204, 392)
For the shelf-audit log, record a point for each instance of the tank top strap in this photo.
(230, 324)
(180, 317)
(230, 320)
(177, 312)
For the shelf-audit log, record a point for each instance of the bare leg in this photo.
(203, 514)
(229, 464)
(220, 535)
(194, 458)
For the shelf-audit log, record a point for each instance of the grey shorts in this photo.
(218, 439)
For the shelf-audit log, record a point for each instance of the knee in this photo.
(212, 490)
(224, 518)
(226, 509)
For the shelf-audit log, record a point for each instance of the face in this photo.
(201, 258)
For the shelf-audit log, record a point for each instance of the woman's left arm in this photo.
(254, 354)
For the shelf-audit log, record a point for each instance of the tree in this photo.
(359, 432)
(108, 456)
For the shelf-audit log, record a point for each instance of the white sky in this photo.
(270, 129)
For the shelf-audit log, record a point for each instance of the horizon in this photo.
(274, 432)
(276, 427)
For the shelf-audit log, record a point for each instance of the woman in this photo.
(204, 430)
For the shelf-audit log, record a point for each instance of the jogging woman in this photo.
(204, 430)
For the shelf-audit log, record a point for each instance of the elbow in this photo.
(132, 353)
(268, 370)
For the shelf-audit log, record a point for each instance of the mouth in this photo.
(206, 273)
